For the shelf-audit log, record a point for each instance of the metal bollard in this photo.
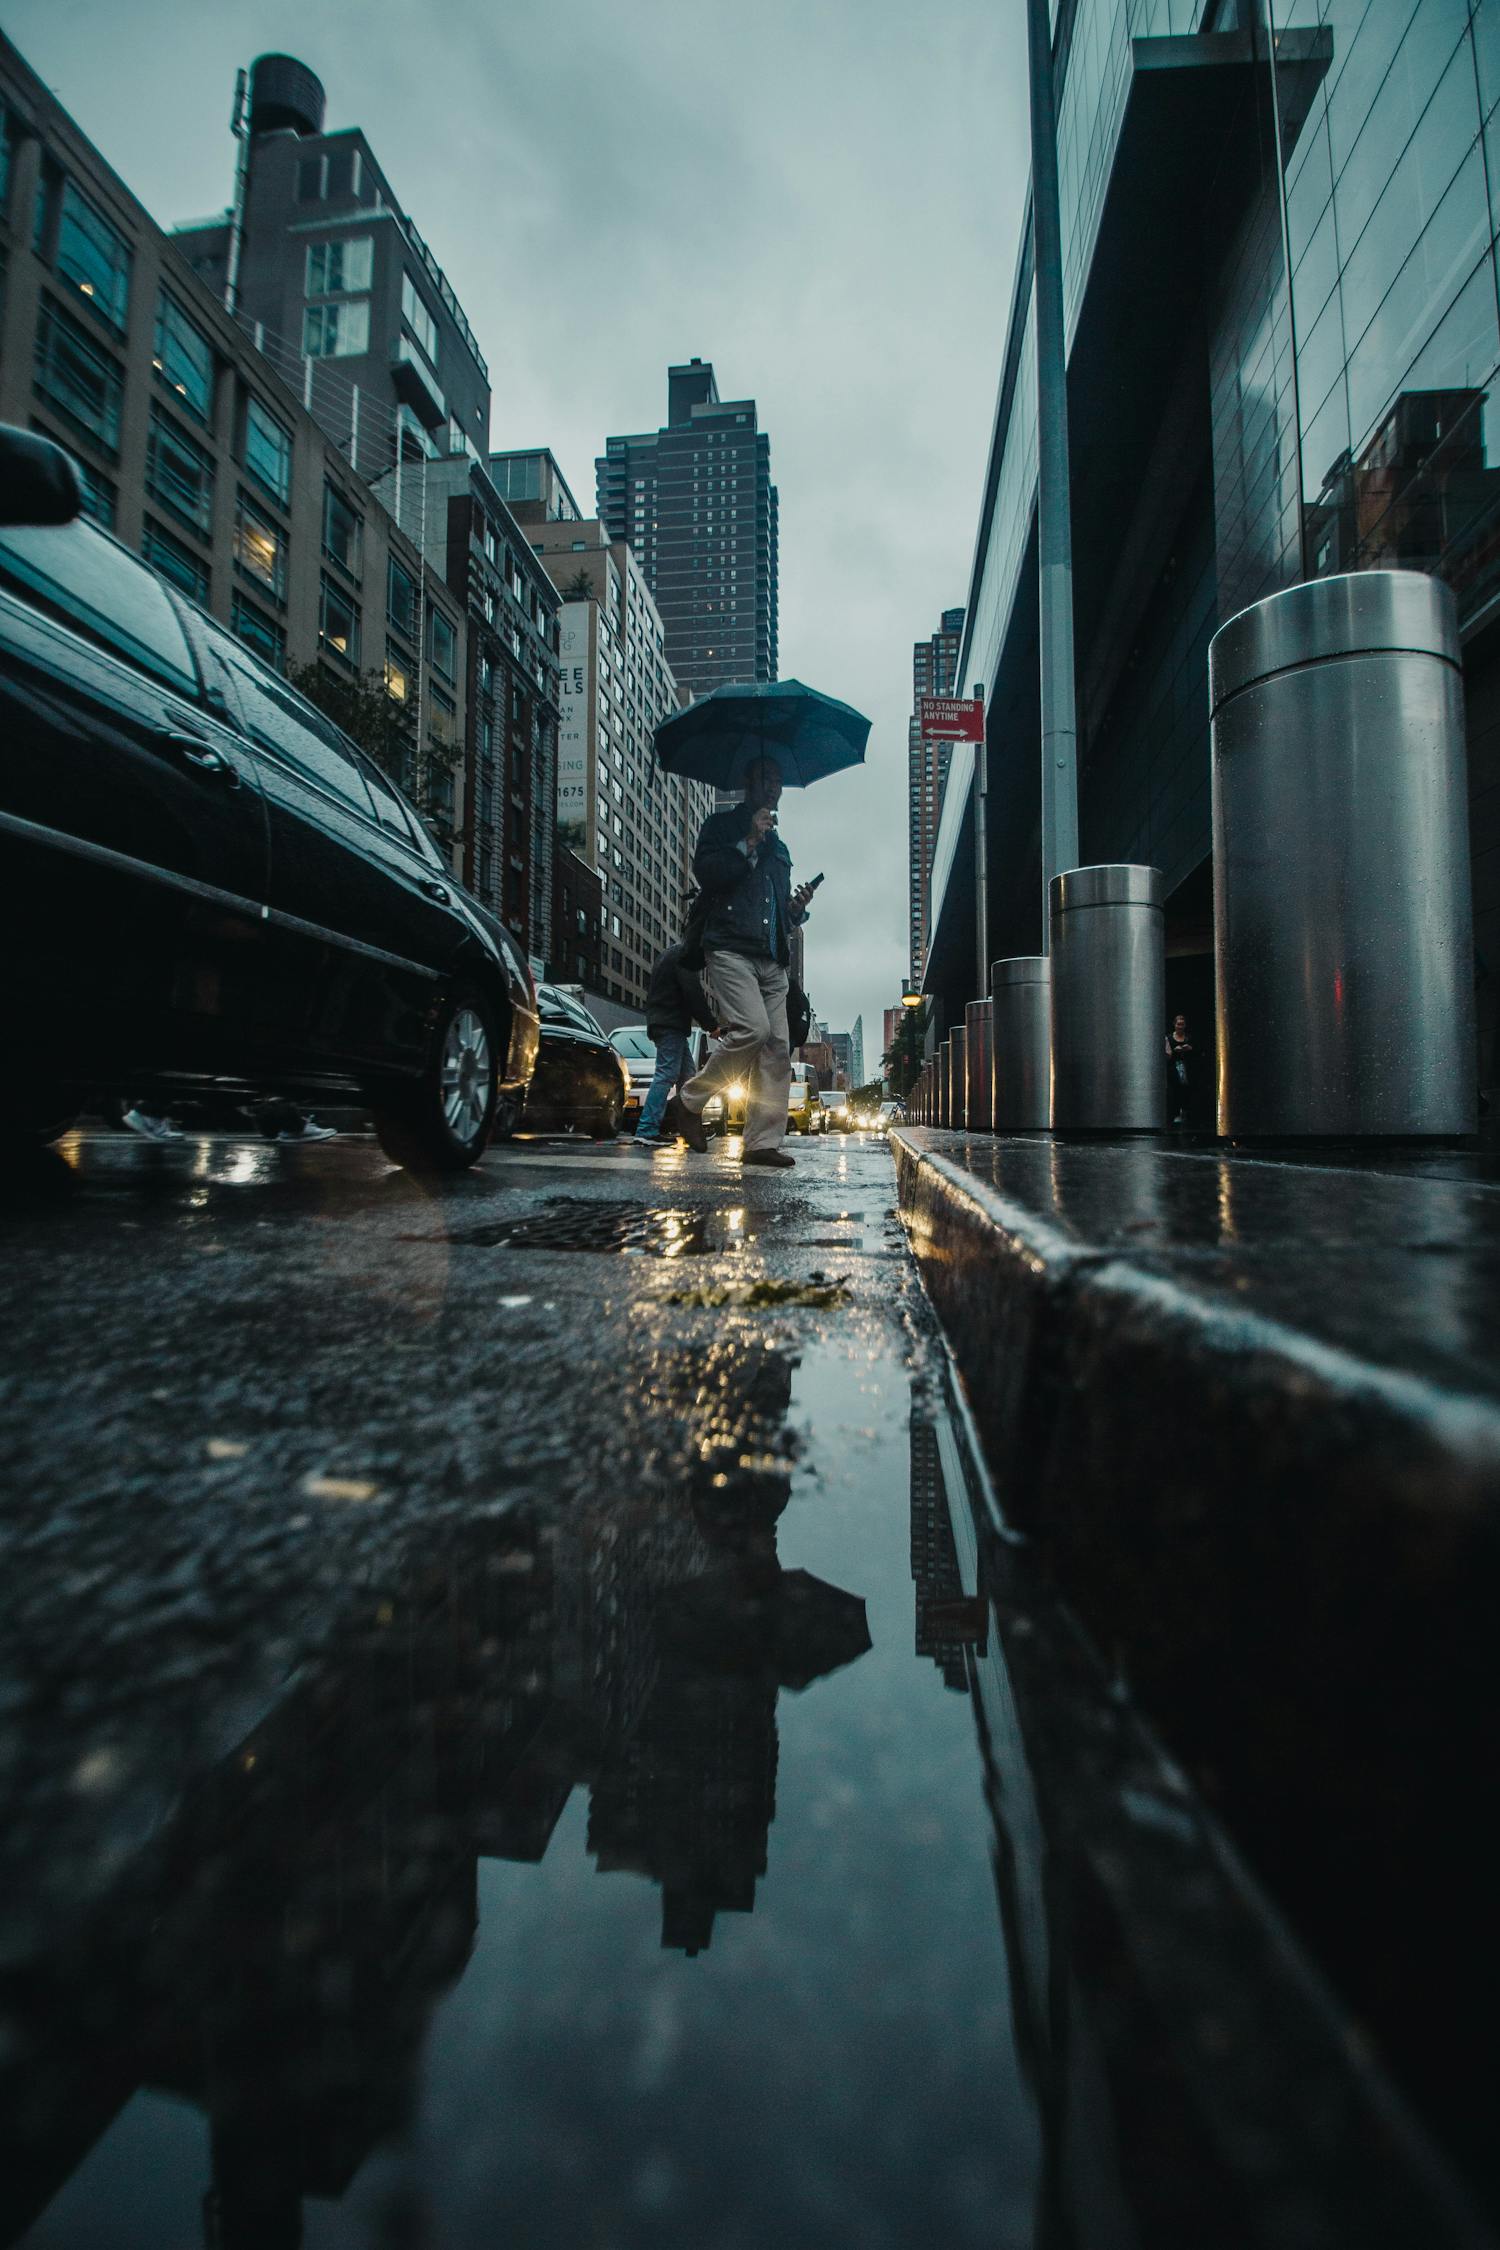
(1021, 1043)
(979, 1101)
(1343, 924)
(958, 1092)
(1109, 999)
(940, 1116)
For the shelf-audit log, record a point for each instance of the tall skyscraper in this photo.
(934, 666)
(696, 503)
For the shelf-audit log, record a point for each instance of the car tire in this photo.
(607, 1124)
(443, 1122)
(509, 1110)
(36, 1123)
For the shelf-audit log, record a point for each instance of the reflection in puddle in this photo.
(277, 1961)
(367, 1987)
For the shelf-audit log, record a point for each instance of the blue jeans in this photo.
(672, 1066)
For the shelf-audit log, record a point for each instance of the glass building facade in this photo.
(1283, 325)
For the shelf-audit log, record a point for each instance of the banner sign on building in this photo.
(951, 718)
(573, 724)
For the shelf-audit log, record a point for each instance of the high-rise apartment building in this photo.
(696, 503)
(195, 453)
(318, 260)
(615, 807)
(453, 511)
(934, 665)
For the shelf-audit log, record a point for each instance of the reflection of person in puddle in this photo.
(691, 1797)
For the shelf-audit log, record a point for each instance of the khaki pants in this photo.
(749, 996)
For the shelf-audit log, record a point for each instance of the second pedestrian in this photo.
(675, 1001)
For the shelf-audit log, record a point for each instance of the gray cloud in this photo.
(822, 200)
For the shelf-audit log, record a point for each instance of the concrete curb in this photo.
(1293, 1557)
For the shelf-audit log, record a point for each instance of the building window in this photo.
(73, 375)
(442, 643)
(258, 632)
(94, 256)
(338, 624)
(418, 319)
(184, 358)
(342, 529)
(401, 600)
(337, 331)
(336, 267)
(260, 546)
(7, 144)
(179, 473)
(310, 180)
(174, 561)
(397, 673)
(268, 451)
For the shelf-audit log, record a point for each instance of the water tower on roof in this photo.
(285, 96)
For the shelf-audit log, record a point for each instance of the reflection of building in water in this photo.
(690, 1799)
(1418, 497)
(278, 1960)
(934, 1560)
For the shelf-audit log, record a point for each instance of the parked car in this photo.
(204, 886)
(637, 1050)
(580, 1083)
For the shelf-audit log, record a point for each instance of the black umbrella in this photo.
(809, 735)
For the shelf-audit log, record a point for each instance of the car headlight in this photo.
(736, 1093)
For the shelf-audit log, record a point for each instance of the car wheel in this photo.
(509, 1109)
(37, 1122)
(443, 1123)
(607, 1125)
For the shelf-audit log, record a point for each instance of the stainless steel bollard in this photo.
(1343, 924)
(1109, 998)
(979, 1105)
(958, 1091)
(1021, 1043)
(941, 1117)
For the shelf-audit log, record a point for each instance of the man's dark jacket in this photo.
(739, 895)
(675, 999)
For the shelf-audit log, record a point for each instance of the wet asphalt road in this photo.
(517, 1726)
(469, 1770)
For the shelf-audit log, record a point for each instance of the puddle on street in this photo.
(626, 1880)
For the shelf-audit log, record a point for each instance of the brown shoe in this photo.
(776, 1157)
(687, 1122)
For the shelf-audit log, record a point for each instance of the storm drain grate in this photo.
(577, 1223)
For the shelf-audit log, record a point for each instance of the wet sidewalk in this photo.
(518, 1725)
(1247, 1410)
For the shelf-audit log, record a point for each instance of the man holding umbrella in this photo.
(744, 871)
(755, 735)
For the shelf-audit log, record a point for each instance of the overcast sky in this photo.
(820, 196)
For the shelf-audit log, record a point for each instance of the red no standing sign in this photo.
(949, 718)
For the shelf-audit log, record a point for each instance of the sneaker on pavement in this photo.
(687, 1122)
(775, 1157)
(150, 1126)
(310, 1130)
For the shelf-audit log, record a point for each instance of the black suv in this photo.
(204, 886)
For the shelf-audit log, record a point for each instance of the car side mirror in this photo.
(38, 482)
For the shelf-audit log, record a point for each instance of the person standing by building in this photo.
(675, 1001)
(1180, 1071)
(744, 871)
